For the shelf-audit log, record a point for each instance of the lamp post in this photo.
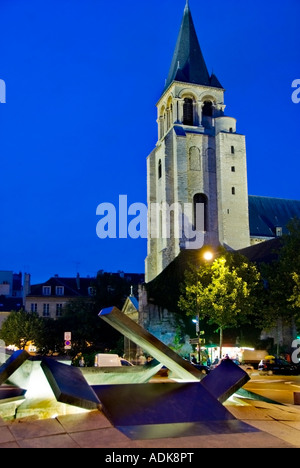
(208, 256)
(198, 333)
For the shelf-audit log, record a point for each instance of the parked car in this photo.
(277, 366)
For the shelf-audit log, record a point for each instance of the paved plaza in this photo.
(278, 427)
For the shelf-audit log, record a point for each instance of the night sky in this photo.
(82, 80)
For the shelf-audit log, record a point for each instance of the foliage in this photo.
(50, 339)
(181, 344)
(225, 292)
(282, 295)
(295, 296)
(80, 317)
(21, 327)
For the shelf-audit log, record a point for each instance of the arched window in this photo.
(188, 112)
(162, 122)
(200, 212)
(195, 159)
(207, 114)
(207, 109)
(159, 169)
(169, 113)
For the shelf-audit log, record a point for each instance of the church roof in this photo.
(134, 302)
(266, 214)
(188, 64)
(264, 252)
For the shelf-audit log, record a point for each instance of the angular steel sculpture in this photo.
(69, 385)
(170, 409)
(10, 393)
(12, 364)
(225, 380)
(185, 371)
(119, 375)
(161, 410)
(159, 403)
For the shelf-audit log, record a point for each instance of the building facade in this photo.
(48, 299)
(197, 174)
(197, 186)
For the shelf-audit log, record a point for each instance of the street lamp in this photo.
(208, 256)
(198, 333)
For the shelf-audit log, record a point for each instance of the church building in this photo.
(197, 187)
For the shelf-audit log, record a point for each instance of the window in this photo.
(232, 150)
(59, 290)
(233, 190)
(207, 109)
(195, 161)
(232, 168)
(231, 130)
(162, 119)
(200, 212)
(46, 310)
(159, 169)
(59, 310)
(46, 290)
(91, 291)
(188, 112)
(33, 307)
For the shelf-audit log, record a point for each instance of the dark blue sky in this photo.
(83, 78)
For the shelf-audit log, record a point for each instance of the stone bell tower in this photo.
(197, 174)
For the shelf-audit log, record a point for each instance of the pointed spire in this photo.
(188, 64)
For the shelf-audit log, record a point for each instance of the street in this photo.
(279, 388)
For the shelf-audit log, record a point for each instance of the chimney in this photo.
(26, 288)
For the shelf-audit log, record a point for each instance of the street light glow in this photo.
(208, 256)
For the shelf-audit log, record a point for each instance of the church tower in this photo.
(197, 175)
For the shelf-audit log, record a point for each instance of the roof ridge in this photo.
(274, 198)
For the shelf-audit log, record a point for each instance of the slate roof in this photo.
(188, 64)
(134, 302)
(264, 252)
(266, 214)
(73, 287)
(77, 286)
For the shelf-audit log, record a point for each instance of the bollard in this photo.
(296, 398)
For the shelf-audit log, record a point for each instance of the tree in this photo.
(225, 292)
(80, 317)
(282, 304)
(20, 328)
(295, 296)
